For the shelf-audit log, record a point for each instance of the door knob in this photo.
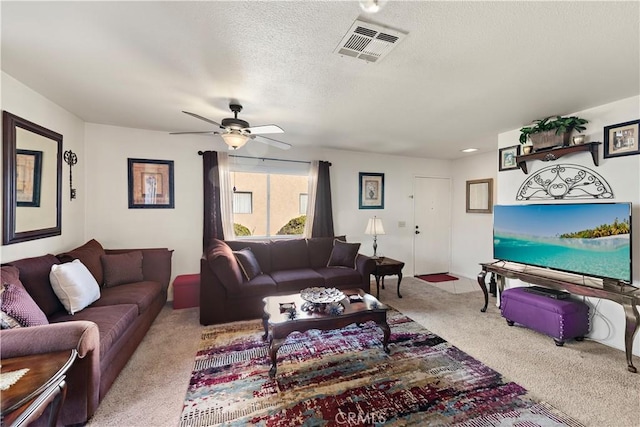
(417, 231)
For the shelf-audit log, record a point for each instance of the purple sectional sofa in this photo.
(231, 290)
(105, 334)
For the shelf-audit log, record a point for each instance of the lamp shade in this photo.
(234, 139)
(374, 227)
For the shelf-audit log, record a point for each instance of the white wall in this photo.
(397, 242)
(114, 225)
(622, 173)
(109, 219)
(472, 233)
(20, 100)
(101, 210)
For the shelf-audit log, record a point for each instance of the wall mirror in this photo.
(32, 191)
(480, 196)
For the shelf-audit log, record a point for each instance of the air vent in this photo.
(368, 42)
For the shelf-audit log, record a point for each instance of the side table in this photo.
(387, 267)
(43, 384)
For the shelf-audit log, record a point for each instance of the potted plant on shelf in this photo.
(551, 131)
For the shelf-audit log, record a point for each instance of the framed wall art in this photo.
(371, 194)
(28, 177)
(621, 139)
(150, 184)
(480, 196)
(507, 158)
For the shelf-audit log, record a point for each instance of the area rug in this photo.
(344, 378)
(435, 278)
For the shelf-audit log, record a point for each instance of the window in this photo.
(304, 199)
(270, 199)
(242, 202)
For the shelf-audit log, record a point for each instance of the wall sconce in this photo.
(375, 228)
(71, 159)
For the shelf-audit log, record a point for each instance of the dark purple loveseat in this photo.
(287, 266)
(105, 334)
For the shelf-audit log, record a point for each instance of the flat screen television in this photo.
(592, 239)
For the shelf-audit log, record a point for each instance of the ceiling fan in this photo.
(236, 132)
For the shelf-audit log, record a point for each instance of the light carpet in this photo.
(587, 380)
(343, 377)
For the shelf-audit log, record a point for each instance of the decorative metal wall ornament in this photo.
(71, 159)
(564, 181)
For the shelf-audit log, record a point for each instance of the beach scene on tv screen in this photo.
(590, 239)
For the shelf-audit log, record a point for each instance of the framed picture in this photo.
(28, 178)
(621, 139)
(507, 158)
(480, 196)
(371, 187)
(150, 184)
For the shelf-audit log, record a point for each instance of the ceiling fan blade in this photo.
(274, 142)
(259, 130)
(211, 132)
(203, 118)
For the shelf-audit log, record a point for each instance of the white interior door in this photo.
(432, 225)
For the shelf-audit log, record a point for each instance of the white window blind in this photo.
(242, 202)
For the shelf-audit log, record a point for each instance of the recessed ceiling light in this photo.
(372, 6)
(469, 150)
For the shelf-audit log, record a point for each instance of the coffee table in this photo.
(42, 385)
(278, 324)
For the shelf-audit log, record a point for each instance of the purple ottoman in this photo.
(561, 319)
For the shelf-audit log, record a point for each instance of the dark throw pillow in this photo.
(248, 263)
(122, 268)
(224, 265)
(89, 254)
(343, 254)
(19, 305)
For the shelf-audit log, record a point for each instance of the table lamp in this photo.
(375, 228)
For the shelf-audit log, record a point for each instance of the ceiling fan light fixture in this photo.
(235, 139)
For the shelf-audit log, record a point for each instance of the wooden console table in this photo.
(626, 295)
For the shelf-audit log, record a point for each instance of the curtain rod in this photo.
(269, 158)
(264, 158)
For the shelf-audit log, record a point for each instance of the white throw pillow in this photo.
(74, 285)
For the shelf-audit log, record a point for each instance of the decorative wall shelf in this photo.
(556, 153)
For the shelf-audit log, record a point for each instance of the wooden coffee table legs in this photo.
(387, 333)
(274, 346)
(276, 343)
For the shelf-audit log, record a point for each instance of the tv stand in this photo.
(620, 292)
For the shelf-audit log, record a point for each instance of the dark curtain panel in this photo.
(323, 218)
(211, 185)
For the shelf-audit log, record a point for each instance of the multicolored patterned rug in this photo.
(344, 378)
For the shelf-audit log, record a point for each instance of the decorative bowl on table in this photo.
(318, 298)
(321, 295)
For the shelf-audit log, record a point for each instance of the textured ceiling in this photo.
(466, 71)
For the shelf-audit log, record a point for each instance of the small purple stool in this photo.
(561, 319)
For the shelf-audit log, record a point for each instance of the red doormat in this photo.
(434, 278)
